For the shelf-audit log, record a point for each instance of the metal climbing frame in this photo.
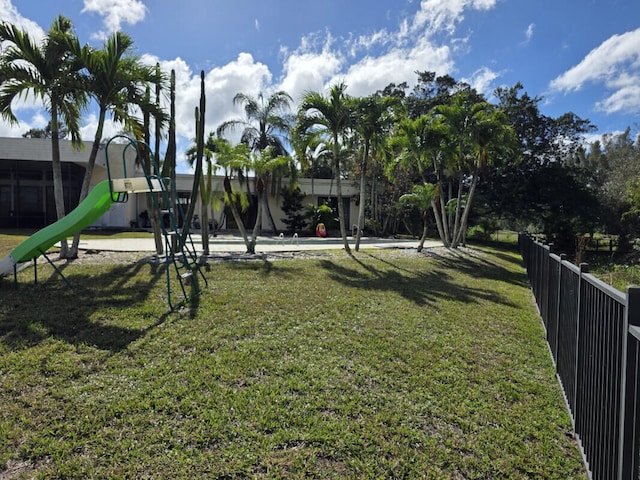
(182, 263)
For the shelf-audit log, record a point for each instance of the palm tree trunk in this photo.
(442, 214)
(267, 210)
(341, 219)
(86, 181)
(465, 216)
(363, 193)
(236, 215)
(424, 231)
(441, 231)
(456, 225)
(58, 190)
(251, 248)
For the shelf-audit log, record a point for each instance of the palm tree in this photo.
(476, 134)
(421, 197)
(493, 138)
(266, 125)
(373, 116)
(264, 163)
(117, 82)
(334, 115)
(312, 154)
(49, 71)
(420, 142)
(269, 116)
(233, 159)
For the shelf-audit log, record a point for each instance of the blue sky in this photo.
(580, 55)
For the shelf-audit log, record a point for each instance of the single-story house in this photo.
(26, 187)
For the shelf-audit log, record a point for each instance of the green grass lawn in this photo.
(381, 365)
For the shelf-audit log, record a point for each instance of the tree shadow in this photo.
(420, 286)
(479, 265)
(31, 313)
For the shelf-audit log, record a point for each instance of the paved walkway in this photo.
(235, 244)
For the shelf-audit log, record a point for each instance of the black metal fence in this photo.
(593, 331)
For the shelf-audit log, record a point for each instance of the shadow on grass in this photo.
(80, 315)
(422, 286)
(481, 266)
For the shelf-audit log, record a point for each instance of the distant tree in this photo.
(432, 90)
(546, 145)
(457, 142)
(612, 167)
(293, 208)
(45, 132)
(312, 154)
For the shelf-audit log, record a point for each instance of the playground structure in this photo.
(180, 256)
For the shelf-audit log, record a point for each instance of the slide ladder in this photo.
(180, 254)
(184, 276)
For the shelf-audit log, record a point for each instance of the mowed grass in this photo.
(381, 365)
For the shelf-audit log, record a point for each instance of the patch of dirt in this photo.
(95, 257)
(98, 257)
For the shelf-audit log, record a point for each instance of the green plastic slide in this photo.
(87, 212)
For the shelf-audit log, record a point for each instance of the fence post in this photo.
(558, 294)
(544, 284)
(584, 269)
(628, 431)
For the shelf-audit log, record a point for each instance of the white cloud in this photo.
(116, 13)
(397, 65)
(221, 84)
(381, 38)
(309, 69)
(9, 13)
(443, 15)
(482, 80)
(614, 63)
(625, 99)
(386, 56)
(90, 125)
(529, 33)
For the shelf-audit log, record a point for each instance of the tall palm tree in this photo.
(334, 115)
(420, 143)
(373, 115)
(233, 159)
(266, 125)
(476, 134)
(117, 82)
(50, 72)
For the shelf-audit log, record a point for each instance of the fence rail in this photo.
(593, 332)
